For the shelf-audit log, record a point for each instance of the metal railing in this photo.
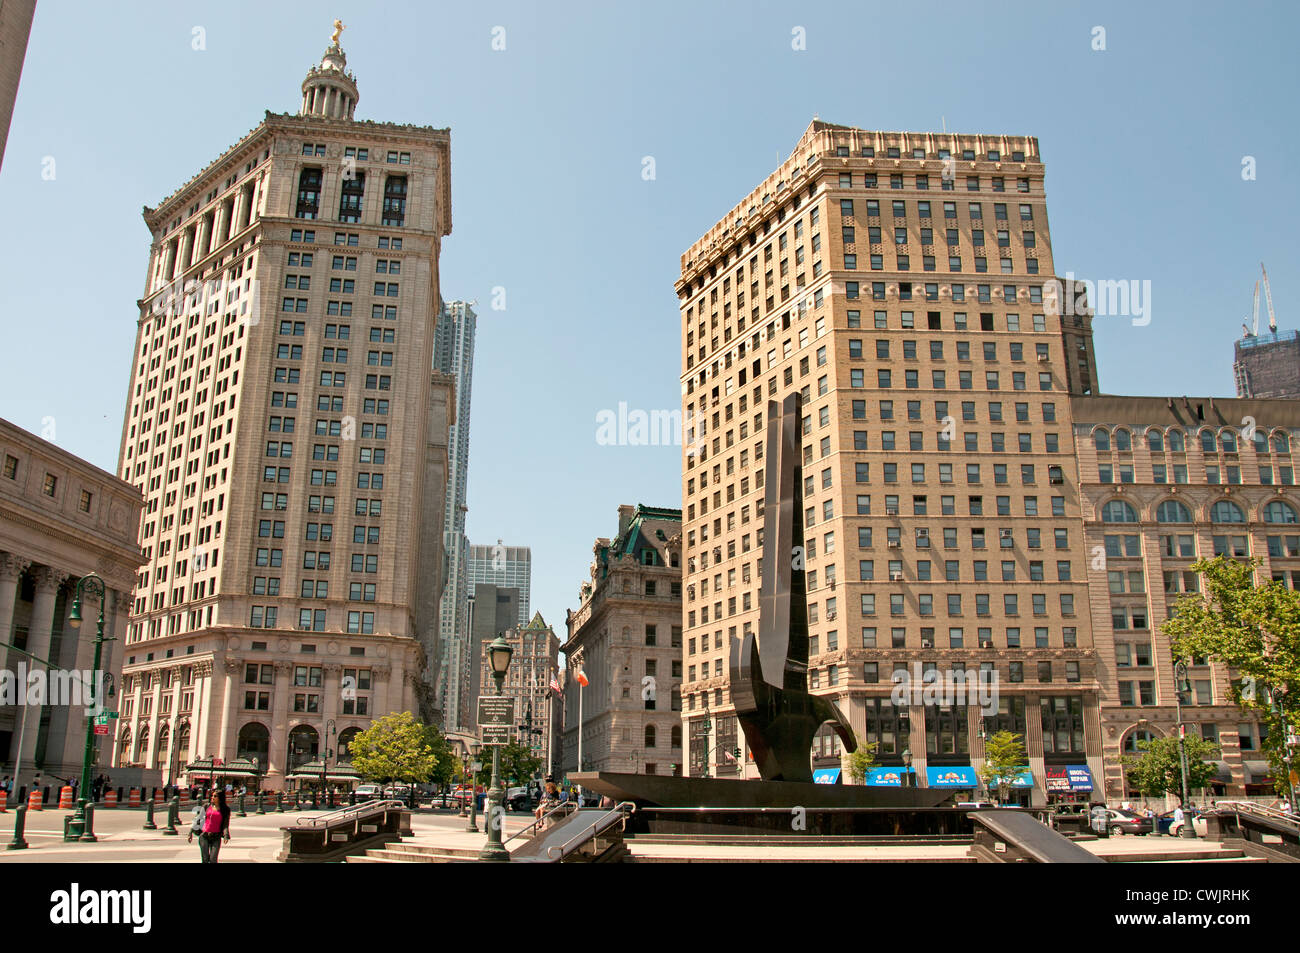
(1259, 810)
(353, 813)
(622, 810)
(563, 808)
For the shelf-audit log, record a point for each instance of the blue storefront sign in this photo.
(1025, 779)
(887, 777)
(1080, 777)
(826, 776)
(949, 777)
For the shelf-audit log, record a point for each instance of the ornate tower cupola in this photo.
(330, 90)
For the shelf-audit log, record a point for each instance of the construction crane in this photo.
(1248, 330)
(1268, 297)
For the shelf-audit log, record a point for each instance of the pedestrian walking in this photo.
(215, 828)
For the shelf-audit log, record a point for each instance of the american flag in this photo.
(555, 686)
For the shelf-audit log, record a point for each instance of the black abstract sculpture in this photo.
(769, 673)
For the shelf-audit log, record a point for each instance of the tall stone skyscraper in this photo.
(903, 284)
(290, 438)
(453, 354)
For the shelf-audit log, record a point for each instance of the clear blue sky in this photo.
(1143, 144)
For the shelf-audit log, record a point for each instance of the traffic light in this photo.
(736, 752)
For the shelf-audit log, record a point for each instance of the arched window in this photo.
(254, 742)
(183, 747)
(345, 742)
(1226, 511)
(1118, 511)
(124, 748)
(1228, 440)
(1279, 512)
(1155, 440)
(1176, 442)
(1207, 440)
(649, 736)
(303, 745)
(141, 746)
(1134, 738)
(1261, 442)
(1281, 443)
(675, 736)
(1101, 439)
(1123, 439)
(160, 751)
(1171, 511)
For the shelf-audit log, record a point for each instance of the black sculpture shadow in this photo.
(769, 671)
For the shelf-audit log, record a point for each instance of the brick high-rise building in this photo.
(1164, 482)
(290, 438)
(902, 283)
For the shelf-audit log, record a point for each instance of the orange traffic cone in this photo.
(65, 798)
(4, 800)
(135, 798)
(110, 798)
(34, 800)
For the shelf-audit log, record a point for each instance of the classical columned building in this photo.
(289, 432)
(60, 519)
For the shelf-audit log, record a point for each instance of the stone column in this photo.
(47, 583)
(174, 767)
(65, 744)
(225, 744)
(277, 749)
(916, 743)
(379, 679)
(204, 236)
(222, 220)
(199, 734)
(11, 569)
(136, 723)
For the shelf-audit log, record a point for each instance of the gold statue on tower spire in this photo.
(338, 29)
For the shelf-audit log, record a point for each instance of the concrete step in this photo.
(1176, 856)
(415, 847)
(808, 840)
(406, 857)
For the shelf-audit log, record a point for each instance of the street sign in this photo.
(496, 710)
(495, 734)
(101, 729)
(111, 714)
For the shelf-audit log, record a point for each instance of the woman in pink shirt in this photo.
(216, 827)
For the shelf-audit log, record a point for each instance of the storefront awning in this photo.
(217, 768)
(1068, 779)
(962, 776)
(891, 776)
(1025, 779)
(1257, 772)
(826, 776)
(311, 771)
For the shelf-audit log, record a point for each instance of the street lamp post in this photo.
(498, 653)
(907, 767)
(473, 765)
(325, 760)
(81, 824)
(1182, 686)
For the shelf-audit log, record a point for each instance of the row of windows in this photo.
(1226, 440)
(1221, 511)
(921, 181)
(352, 239)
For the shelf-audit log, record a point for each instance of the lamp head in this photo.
(74, 620)
(499, 654)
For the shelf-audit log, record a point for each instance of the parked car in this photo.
(1165, 823)
(1128, 822)
(368, 792)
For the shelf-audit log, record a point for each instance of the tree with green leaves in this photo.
(394, 748)
(1005, 759)
(1159, 769)
(862, 760)
(1253, 628)
(517, 765)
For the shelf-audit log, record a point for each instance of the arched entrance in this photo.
(254, 742)
(303, 747)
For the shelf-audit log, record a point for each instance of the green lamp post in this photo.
(80, 825)
(499, 653)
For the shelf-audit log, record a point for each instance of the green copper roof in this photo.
(537, 622)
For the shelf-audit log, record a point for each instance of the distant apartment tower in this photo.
(453, 354)
(626, 635)
(492, 611)
(504, 565)
(901, 282)
(289, 436)
(1267, 365)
